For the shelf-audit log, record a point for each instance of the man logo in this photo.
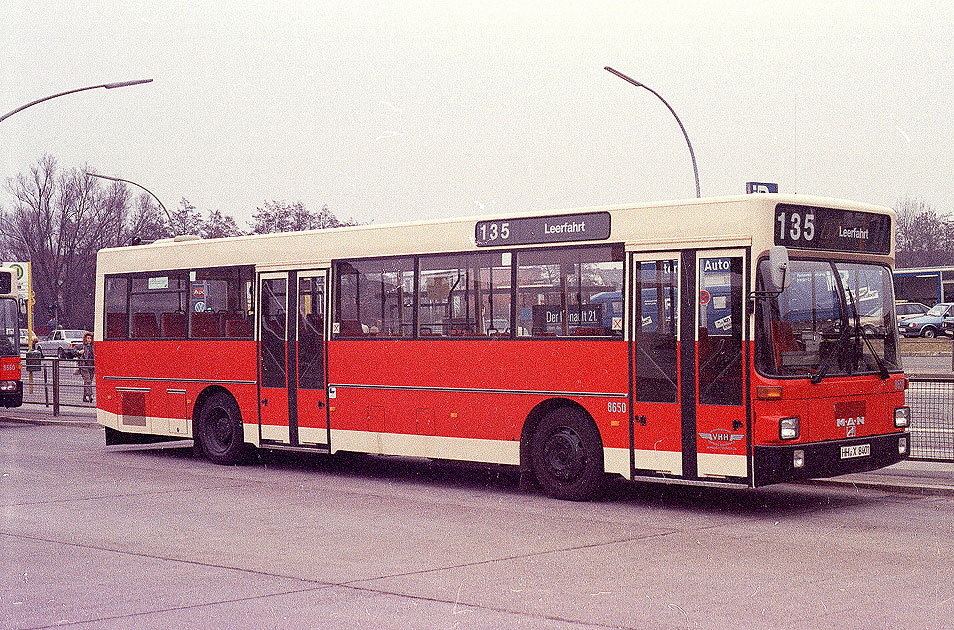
(851, 425)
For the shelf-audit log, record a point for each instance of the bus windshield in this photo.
(833, 319)
(9, 328)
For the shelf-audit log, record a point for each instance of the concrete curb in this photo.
(49, 421)
(923, 489)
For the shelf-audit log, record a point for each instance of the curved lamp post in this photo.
(638, 84)
(108, 86)
(120, 179)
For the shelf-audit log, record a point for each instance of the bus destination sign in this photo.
(832, 229)
(591, 226)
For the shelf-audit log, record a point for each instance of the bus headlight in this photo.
(902, 417)
(8, 386)
(788, 428)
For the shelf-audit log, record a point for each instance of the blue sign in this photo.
(760, 187)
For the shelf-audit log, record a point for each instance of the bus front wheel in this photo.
(567, 455)
(220, 430)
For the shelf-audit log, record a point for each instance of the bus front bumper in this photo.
(777, 464)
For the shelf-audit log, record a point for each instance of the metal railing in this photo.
(56, 383)
(931, 399)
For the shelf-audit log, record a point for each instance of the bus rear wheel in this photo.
(220, 430)
(567, 455)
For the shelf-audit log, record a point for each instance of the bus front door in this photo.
(293, 329)
(720, 432)
(688, 358)
(657, 438)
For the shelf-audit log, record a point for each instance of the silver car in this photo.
(61, 343)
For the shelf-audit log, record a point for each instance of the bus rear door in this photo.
(292, 332)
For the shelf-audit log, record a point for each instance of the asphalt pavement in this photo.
(911, 476)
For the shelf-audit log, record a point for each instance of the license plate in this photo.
(856, 450)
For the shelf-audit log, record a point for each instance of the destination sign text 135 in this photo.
(591, 226)
(832, 229)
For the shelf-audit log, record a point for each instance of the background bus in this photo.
(927, 285)
(517, 340)
(11, 383)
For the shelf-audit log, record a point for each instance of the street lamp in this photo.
(120, 179)
(638, 84)
(108, 86)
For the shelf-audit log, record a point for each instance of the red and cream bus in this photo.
(737, 341)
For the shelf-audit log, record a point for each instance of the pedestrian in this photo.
(87, 366)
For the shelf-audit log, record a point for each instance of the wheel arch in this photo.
(204, 395)
(533, 420)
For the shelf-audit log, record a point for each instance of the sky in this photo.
(394, 111)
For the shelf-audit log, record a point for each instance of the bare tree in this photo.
(186, 219)
(280, 216)
(58, 221)
(219, 225)
(925, 238)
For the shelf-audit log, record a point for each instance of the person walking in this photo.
(87, 366)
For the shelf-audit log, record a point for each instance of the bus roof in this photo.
(708, 222)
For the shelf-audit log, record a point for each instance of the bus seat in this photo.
(117, 326)
(204, 325)
(145, 326)
(351, 328)
(238, 328)
(784, 341)
(173, 324)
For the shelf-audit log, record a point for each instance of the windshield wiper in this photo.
(860, 334)
(882, 368)
(842, 338)
(845, 331)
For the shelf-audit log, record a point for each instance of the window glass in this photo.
(809, 330)
(9, 328)
(376, 298)
(117, 316)
(220, 302)
(311, 326)
(570, 292)
(274, 324)
(157, 302)
(657, 311)
(465, 295)
(720, 331)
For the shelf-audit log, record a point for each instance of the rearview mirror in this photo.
(778, 264)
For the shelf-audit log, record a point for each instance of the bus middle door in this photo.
(275, 423)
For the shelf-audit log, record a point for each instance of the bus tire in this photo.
(220, 430)
(566, 453)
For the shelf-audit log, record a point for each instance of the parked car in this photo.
(909, 309)
(24, 341)
(62, 343)
(931, 324)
